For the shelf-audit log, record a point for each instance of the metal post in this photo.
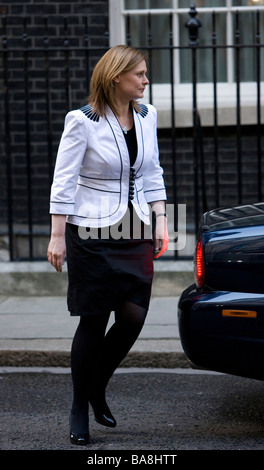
(7, 142)
(238, 117)
(66, 67)
(28, 142)
(214, 49)
(48, 100)
(258, 78)
(87, 55)
(173, 135)
(128, 35)
(150, 56)
(193, 25)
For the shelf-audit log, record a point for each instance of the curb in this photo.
(169, 360)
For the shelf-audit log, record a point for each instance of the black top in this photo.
(131, 141)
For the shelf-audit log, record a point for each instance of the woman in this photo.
(107, 172)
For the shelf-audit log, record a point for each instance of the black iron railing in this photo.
(43, 77)
(202, 201)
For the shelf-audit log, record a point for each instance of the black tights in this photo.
(96, 355)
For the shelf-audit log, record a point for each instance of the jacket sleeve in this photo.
(70, 155)
(154, 187)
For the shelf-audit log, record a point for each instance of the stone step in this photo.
(39, 278)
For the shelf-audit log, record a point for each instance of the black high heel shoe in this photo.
(79, 439)
(102, 414)
(78, 422)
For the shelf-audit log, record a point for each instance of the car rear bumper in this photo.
(223, 331)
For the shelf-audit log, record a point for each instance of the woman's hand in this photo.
(161, 237)
(57, 246)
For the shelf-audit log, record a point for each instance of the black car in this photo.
(221, 316)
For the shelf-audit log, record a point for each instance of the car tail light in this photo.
(199, 264)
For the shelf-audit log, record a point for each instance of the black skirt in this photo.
(103, 273)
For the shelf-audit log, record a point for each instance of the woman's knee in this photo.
(131, 314)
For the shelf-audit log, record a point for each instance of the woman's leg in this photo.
(129, 320)
(86, 345)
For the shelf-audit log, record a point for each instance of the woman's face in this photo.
(131, 85)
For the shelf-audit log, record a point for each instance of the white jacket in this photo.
(92, 171)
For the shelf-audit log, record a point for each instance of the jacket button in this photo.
(131, 193)
(131, 184)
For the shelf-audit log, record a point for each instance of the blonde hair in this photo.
(117, 60)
